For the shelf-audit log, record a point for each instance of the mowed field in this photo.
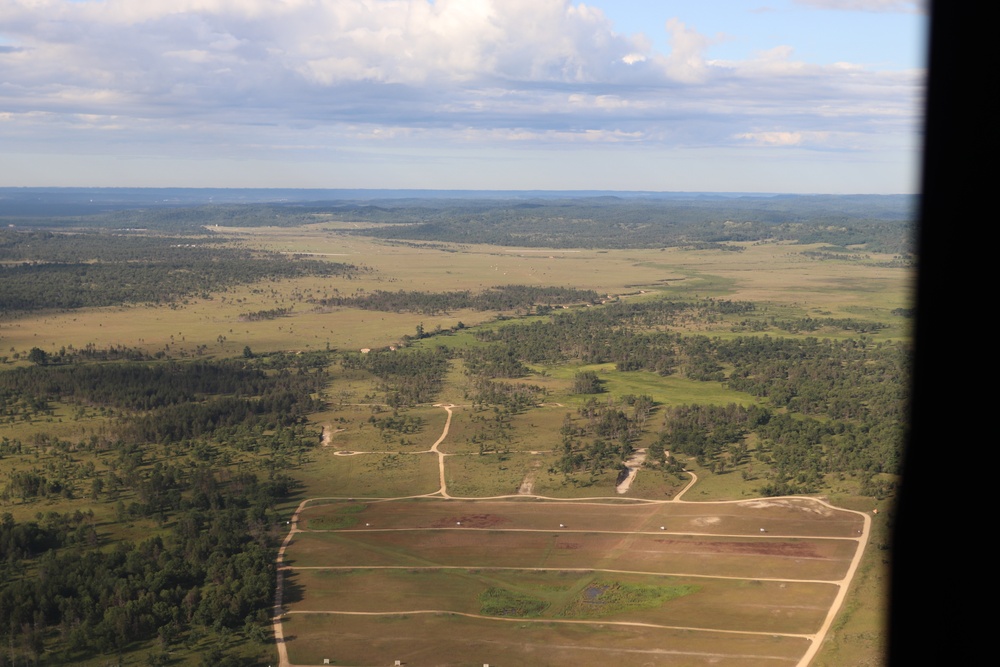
(531, 581)
(515, 643)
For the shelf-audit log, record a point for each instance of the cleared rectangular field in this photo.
(784, 517)
(433, 581)
(446, 640)
(719, 604)
(752, 558)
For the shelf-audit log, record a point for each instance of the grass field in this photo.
(786, 517)
(788, 608)
(458, 642)
(778, 275)
(797, 558)
(706, 571)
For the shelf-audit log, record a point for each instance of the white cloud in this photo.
(686, 60)
(241, 75)
(778, 138)
(910, 6)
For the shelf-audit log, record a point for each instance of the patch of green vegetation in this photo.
(606, 598)
(361, 475)
(488, 475)
(720, 486)
(496, 601)
(345, 517)
(702, 285)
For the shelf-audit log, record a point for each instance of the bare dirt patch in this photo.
(794, 549)
(527, 485)
(790, 503)
(632, 467)
(706, 521)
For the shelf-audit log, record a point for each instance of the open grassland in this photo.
(471, 475)
(384, 475)
(449, 640)
(777, 275)
(356, 428)
(664, 390)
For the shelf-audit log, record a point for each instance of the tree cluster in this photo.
(499, 298)
(45, 270)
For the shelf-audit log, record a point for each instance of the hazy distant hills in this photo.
(589, 218)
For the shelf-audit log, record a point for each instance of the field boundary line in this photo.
(467, 568)
(844, 586)
(573, 621)
(755, 536)
(611, 501)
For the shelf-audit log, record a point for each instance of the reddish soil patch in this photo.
(569, 545)
(793, 549)
(471, 521)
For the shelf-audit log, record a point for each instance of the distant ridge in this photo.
(54, 201)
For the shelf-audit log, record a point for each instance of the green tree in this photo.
(587, 382)
(38, 356)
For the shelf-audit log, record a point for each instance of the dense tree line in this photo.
(214, 569)
(135, 386)
(46, 270)
(809, 324)
(90, 352)
(169, 401)
(499, 298)
(814, 324)
(200, 449)
(267, 314)
(880, 225)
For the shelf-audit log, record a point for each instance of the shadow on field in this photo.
(292, 591)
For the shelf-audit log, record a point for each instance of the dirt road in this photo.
(816, 640)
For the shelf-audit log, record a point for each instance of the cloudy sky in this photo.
(666, 95)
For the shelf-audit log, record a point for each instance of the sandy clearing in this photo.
(633, 464)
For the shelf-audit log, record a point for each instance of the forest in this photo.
(498, 298)
(178, 430)
(45, 270)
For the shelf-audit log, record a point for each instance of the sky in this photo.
(804, 96)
